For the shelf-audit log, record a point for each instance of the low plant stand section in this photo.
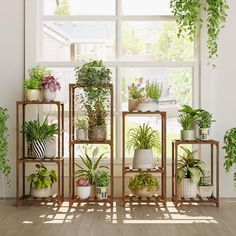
(73, 142)
(22, 158)
(198, 199)
(158, 170)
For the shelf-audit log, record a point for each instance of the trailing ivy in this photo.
(189, 20)
(4, 163)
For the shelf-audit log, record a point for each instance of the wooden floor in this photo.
(100, 220)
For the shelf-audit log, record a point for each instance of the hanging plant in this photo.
(4, 163)
(189, 20)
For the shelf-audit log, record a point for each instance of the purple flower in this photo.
(51, 83)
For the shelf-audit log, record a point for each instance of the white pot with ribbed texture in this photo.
(143, 159)
(189, 189)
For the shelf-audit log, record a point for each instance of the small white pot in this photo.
(83, 192)
(204, 133)
(82, 134)
(48, 95)
(32, 94)
(51, 148)
(187, 135)
(45, 192)
(205, 191)
(189, 189)
(145, 193)
(132, 104)
(102, 192)
(145, 106)
(100, 133)
(143, 159)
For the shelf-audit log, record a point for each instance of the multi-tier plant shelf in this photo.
(198, 199)
(74, 93)
(158, 170)
(22, 157)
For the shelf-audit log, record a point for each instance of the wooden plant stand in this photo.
(212, 199)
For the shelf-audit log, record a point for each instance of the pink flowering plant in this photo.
(51, 83)
(83, 182)
(135, 91)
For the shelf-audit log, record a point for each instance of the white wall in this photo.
(11, 70)
(217, 86)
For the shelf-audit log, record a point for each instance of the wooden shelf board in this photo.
(92, 200)
(197, 199)
(153, 170)
(136, 199)
(73, 142)
(34, 160)
(125, 113)
(211, 141)
(38, 102)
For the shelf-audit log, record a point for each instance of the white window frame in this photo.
(33, 24)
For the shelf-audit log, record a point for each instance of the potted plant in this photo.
(143, 139)
(154, 92)
(135, 93)
(189, 172)
(41, 181)
(37, 134)
(230, 150)
(89, 166)
(204, 121)
(81, 126)
(188, 123)
(101, 180)
(83, 187)
(144, 103)
(144, 185)
(205, 187)
(4, 162)
(33, 84)
(50, 85)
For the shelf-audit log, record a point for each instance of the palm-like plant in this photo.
(189, 166)
(143, 137)
(90, 165)
(187, 121)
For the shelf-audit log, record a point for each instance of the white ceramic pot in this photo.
(196, 132)
(82, 134)
(145, 193)
(100, 133)
(48, 95)
(102, 192)
(187, 135)
(145, 106)
(83, 192)
(143, 159)
(45, 192)
(189, 189)
(204, 133)
(51, 148)
(38, 148)
(132, 104)
(205, 191)
(32, 94)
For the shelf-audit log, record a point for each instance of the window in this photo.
(135, 38)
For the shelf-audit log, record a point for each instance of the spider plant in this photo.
(187, 121)
(153, 90)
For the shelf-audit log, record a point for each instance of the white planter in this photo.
(205, 191)
(32, 94)
(132, 104)
(100, 133)
(187, 135)
(51, 148)
(83, 192)
(143, 159)
(204, 133)
(196, 132)
(38, 148)
(45, 192)
(145, 106)
(82, 134)
(48, 95)
(102, 192)
(189, 189)
(145, 193)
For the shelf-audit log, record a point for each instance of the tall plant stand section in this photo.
(22, 159)
(213, 199)
(73, 142)
(161, 170)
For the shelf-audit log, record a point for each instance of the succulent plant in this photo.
(51, 83)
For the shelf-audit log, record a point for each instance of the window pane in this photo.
(76, 41)
(154, 41)
(147, 7)
(79, 7)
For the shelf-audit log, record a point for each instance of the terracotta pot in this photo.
(143, 159)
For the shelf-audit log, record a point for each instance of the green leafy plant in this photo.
(206, 179)
(189, 20)
(135, 91)
(42, 178)
(230, 149)
(102, 178)
(32, 84)
(35, 130)
(91, 165)
(81, 122)
(143, 180)
(186, 109)
(4, 162)
(153, 90)
(205, 119)
(189, 166)
(143, 137)
(187, 121)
